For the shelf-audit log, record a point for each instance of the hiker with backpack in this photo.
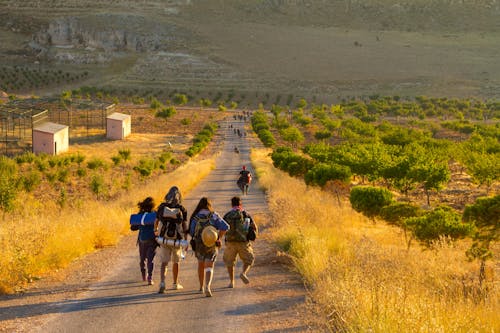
(207, 229)
(146, 240)
(171, 225)
(244, 180)
(242, 230)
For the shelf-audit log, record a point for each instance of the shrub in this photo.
(8, 183)
(321, 173)
(166, 113)
(97, 185)
(441, 222)
(266, 137)
(95, 163)
(31, 180)
(485, 214)
(125, 154)
(116, 159)
(369, 200)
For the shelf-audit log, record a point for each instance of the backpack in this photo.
(237, 231)
(197, 243)
(246, 176)
(171, 219)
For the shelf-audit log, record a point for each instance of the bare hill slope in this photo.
(262, 50)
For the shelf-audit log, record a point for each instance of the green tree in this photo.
(485, 215)
(484, 168)
(369, 200)
(180, 99)
(155, 104)
(432, 176)
(166, 113)
(321, 173)
(292, 135)
(397, 213)
(302, 103)
(442, 221)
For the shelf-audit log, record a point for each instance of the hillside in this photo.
(257, 51)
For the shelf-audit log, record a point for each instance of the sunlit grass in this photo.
(44, 237)
(360, 274)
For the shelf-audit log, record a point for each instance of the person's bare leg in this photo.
(201, 274)
(209, 267)
(230, 271)
(243, 275)
(163, 273)
(175, 272)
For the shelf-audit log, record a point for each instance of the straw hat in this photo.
(209, 235)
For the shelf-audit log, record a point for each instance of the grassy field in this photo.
(42, 237)
(74, 203)
(360, 275)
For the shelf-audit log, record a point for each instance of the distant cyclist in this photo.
(244, 180)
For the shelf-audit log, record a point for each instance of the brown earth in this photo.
(265, 51)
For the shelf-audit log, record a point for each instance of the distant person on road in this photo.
(238, 241)
(171, 224)
(244, 180)
(146, 241)
(207, 229)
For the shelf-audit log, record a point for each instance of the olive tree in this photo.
(441, 222)
(369, 200)
(485, 215)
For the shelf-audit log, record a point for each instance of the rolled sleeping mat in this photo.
(172, 242)
(143, 219)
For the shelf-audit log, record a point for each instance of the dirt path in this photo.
(103, 292)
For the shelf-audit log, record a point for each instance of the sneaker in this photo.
(231, 284)
(178, 286)
(162, 288)
(150, 282)
(208, 292)
(244, 278)
(143, 276)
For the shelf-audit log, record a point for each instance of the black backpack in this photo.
(171, 219)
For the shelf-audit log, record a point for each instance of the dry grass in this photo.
(361, 276)
(44, 237)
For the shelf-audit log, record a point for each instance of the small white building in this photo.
(50, 138)
(118, 126)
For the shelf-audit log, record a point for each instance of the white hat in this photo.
(209, 235)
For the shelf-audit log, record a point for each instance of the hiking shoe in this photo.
(231, 284)
(208, 292)
(162, 288)
(178, 286)
(244, 278)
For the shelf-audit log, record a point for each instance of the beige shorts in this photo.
(167, 252)
(243, 249)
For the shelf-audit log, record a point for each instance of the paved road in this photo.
(119, 302)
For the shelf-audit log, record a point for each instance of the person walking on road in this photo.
(146, 241)
(244, 180)
(171, 224)
(207, 229)
(238, 241)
